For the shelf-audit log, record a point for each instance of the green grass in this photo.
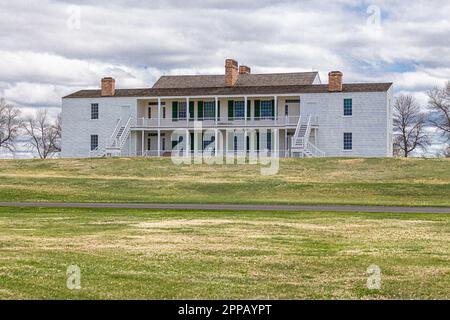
(145, 254)
(404, 182)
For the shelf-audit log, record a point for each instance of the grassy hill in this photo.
(406, 182)
(182, 254)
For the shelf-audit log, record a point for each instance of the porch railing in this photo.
(223, 122)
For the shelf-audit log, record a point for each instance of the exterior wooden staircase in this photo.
(300, 142)
(113, 146)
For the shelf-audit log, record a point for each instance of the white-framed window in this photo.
(348, 107)
(209, 110)
(182, 110)
(266, 109)
(94, 142)
(239, 110)
(94, 111)
(348, 141)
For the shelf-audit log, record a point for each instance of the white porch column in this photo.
(245, 111)
(143, 142)
(187, 112)
(187, 145)
(217, 109)
(130, 144)
(216, 142)
(285, 143)
(159, 143)
(299, 107)
(159, 112)
(276, 141)
(225, 143)
(275, 107)
(245, 142)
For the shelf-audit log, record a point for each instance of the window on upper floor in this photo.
(94, 142)
(348, 141)
(286, 110)
(179, 110)
(348, 107)
(206, 110)
(182, 110)
(267, 109)
(149, 112)
(94, 111)
(209, 110)
(239, 110)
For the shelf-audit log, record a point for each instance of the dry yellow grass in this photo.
(153, 254)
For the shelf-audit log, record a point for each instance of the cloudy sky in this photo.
(51, 48)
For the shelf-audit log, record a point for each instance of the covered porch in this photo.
(211, 142)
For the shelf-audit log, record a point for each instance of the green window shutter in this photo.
(230, 109)
(200, 110)
(273, 108)
(249, 108)
(218, 109)
(191, 110)
(174, 111)
(257, 109)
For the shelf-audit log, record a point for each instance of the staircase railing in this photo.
(297, 130)
(113, 138)
(97, 152)
(308, 128)
(316, 152)
(300, 141)
(125, 133)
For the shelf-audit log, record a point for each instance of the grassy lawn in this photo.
(182, 254)
(408, 182)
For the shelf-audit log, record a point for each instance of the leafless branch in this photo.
(10, 124)
(409, 126)
(44, 136)
(439, 105)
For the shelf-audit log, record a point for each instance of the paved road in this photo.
(231, 207)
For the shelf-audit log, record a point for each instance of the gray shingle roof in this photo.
(244, 80)
(236, 90)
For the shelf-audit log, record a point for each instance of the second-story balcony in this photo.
(283, 121)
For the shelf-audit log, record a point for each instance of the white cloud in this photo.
(42, 59)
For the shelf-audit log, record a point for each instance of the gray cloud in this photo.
(42, 58)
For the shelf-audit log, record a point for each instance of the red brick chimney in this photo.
(231, 72)
(108, 87)
(244, 70)
(335, 81)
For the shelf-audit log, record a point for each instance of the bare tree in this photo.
(10, 124)
(439, 104)
(45, 136)
(446, 152)
(58, 130)
(409, 126)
